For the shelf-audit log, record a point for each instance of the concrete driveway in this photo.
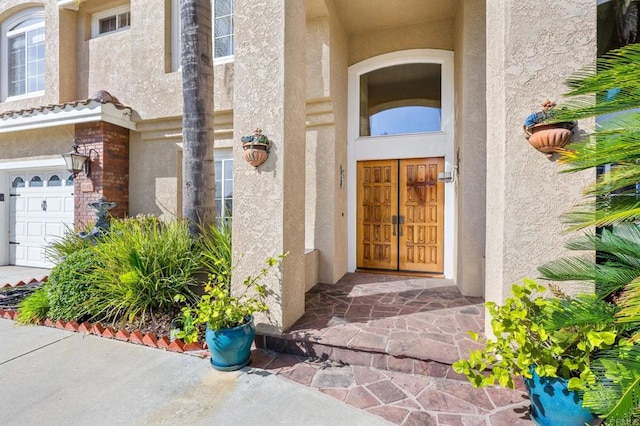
(14, 275)
(54, 377)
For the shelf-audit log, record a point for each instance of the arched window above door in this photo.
(401, 99)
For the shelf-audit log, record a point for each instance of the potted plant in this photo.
(551, 342)
(228, 317)
(545, 135)
(256, 148)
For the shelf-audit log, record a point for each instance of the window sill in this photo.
(25, 96)
(121, 30)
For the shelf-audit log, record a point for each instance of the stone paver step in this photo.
(411, 325)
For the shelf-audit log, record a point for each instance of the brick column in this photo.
(109, 174)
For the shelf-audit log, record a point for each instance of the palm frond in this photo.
(629, 303)
(602, 213)
(581, 310)
(617, 392)
(614, 80)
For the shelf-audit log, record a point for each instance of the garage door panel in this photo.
(53, 230)
(19, 229)
(31, 225)
(34, 203)
(69, 205)
(20, 204)
(34, 229)
(35, 254)
(55, 204)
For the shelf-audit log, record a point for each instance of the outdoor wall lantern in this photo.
(77, 162)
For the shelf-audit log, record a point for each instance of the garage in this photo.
(40, 210)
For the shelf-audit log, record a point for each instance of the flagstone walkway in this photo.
(390, 322)
(401, 398)
(385, 344)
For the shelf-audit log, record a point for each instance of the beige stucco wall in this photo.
(158, 143)
(326, 147)
(33, 144)
(532, 48)
(433, 35)
(269, 201)
(470, 135)
(138, 61)
(58, 86)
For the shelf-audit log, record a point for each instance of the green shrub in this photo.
(34, 307)
(215, 245)
(144, 264)
(69, 243)
(69, 286)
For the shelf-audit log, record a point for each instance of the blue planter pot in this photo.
(552, 404)
(230, 348)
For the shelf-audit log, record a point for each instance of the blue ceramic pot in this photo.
(230, 348)
(552, 404)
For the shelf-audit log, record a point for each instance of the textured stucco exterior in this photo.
(435, 35)
(270, 215)
(532, 48)
(470, 145)
(290, 77)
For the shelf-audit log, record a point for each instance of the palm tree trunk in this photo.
(198, 175)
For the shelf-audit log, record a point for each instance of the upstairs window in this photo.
(22, 47)
(223, 28)
(110, 21)
(223, 31)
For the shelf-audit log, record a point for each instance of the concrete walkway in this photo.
(54, 377)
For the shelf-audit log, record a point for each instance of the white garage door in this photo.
(40, 210)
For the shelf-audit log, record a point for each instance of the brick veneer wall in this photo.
(109, 175)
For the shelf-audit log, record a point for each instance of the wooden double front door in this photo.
(401, 215)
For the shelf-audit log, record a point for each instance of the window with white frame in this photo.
(223, 28)
(224, 188)
(22, 54)
(110, 21)
(223, 31)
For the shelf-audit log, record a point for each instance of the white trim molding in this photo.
(115, 12)
(418, 145)
(68, 114)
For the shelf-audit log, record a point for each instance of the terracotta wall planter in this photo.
(255, 153)
(256, 148)
(550, 137)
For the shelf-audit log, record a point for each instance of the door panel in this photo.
(377, 241)
(401, 215)
(422, 211)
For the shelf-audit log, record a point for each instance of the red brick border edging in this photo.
(135, 337)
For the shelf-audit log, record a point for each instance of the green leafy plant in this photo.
(34, 307)
(215, 247)
(611, 86)
(557, 337)
(58, 249)
(69, 287)
(220, 307)
(144, 264)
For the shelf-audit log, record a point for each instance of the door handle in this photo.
(43, 205)
(394, 221)
(400, 223)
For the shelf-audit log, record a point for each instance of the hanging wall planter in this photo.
(256, 148)
(547, 137)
